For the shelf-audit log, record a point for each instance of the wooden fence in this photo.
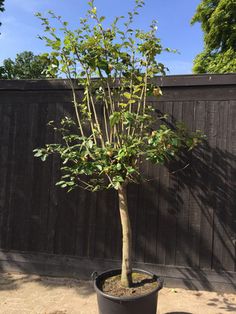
(184, 220)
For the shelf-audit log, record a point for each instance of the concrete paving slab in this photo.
(31, 294)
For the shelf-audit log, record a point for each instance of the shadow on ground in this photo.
(228, 306)
(13, 281)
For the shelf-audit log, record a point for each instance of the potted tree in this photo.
(114, 130)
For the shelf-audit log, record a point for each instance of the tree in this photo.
(106, 153)
(25, 66)
(1, 7)
(218, 21)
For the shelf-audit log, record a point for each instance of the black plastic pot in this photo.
(108, 304)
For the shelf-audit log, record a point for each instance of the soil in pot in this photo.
(142, 284)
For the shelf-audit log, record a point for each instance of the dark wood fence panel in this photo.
(184, 215)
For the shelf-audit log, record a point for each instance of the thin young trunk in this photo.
(126, 273)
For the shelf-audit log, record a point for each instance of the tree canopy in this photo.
(25, 66)
(218, 21)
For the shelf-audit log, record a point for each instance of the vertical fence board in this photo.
(160, 249)
(232, 181)
(207, 217)
(5, 136)
(197, 188)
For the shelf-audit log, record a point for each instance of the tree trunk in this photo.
(126, 273)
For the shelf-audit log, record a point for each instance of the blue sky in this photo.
(20, 27)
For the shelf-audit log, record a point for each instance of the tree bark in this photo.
(126, 273)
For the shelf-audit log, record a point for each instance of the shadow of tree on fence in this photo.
(196, 216)
(211, 181)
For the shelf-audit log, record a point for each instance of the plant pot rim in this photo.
(116, 271)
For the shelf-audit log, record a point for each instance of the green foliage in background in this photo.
(1, 8)
(218, 21)
(1, 5)
(25, 66)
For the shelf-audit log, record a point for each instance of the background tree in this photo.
(106, 152)
(218, 21)
(1, 8)
(25, 66)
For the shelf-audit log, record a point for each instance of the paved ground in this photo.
(27, 294)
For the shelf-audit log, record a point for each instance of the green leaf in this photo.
(115, 118)
(118, 166)
(56, 44)
(131, 101)
(116, 185)
(127, 95)
(44, 157)
(38, 153)
(90, 143)
(94, 10)
(130, 170)
(99, 167)
(60, 183)
(123, 105)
